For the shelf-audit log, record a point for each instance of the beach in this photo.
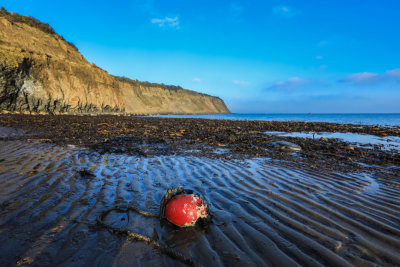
(331, 203)
(216, 138)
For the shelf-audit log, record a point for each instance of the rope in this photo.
(135, 236)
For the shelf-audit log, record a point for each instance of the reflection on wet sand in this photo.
(263, 214)
(363, 140)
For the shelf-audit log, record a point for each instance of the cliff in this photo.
(42, 72)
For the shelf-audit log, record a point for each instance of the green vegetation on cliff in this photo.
(17, 18)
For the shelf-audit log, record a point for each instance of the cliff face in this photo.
(41, 72)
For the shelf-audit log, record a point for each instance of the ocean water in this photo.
(382, 119)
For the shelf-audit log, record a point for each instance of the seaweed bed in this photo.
(227, 139)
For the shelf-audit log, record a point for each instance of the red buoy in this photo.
(185, 209)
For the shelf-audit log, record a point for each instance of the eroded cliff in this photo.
(41, 72)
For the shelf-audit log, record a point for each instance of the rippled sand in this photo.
(263, 214)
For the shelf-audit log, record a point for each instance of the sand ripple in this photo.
(263, 214)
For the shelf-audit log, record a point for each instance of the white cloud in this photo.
(362, 78)
(237, 82)
(196, 80)
(284, 11)
(295, 80)
(369, 78)
(167, 21)
(290, 84)
(394, 73)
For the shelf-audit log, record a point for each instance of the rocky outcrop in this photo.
(41, 72)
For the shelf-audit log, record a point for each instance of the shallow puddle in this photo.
(365, 140)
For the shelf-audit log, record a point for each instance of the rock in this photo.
(72, 146)
(286, 146)
(144, 150)
(232, 138)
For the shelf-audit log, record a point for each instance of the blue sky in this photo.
(259, 56)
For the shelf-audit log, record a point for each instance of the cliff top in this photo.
(17, 18)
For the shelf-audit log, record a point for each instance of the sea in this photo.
(381, 119)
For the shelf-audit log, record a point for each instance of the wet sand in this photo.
(264, 213)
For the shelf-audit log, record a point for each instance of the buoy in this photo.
(179, 206)
(185, 209)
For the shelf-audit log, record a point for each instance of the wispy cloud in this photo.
(167, 21)
(290, 84)
(238, 82)
(236, 9)
(395, 74)
(362, 78)
(322, 43)
(196, 80)
(369, 78)
(285, 11)
(144, 5)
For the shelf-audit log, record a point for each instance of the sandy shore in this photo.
(265, 212)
